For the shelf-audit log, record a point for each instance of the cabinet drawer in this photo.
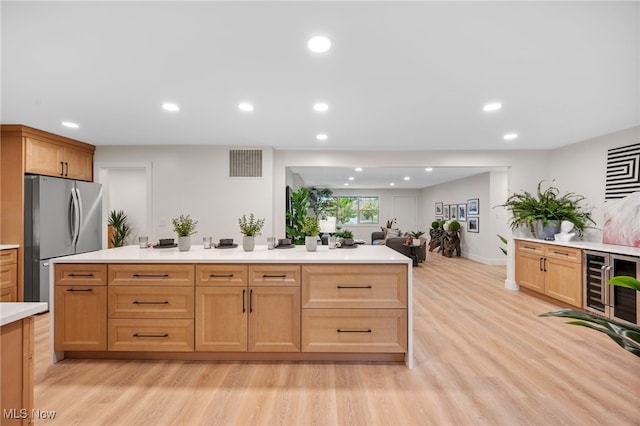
(354, 286)
(529, 247)
(151, 274)
(569, 254)
(8, 257)
(81, 274)
(150, 302)
(221, 275)
(360, 330)
(274, 275)
(165, 335)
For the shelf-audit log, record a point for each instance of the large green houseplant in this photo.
(120, 229)
(537, 211)
(297, 215)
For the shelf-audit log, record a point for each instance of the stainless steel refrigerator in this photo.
(62, 217)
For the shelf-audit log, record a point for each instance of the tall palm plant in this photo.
(121, 229)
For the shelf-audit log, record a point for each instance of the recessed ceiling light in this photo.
(346, 184)
(70, 125)
(167, 106)
(510, 136)
(392, 184)
(319, 44)
(320, 107)
(351, 178)
(428, 169)
(322, 137)
(494, 106)
(358, 169)
(245, 106)
(407, 178)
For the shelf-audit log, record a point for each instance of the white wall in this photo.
(127, 191)
(194, 180)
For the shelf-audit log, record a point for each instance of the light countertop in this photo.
(15, 311)
(9, 246)
(589, 245)
(297, 254)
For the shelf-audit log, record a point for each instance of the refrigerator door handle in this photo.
(80, 214)
(75, 216)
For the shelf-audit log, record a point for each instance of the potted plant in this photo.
(345, 237)
(416, 237)
(250, 228)
(119, 228)
(541, 213)
(185, 227)
(311, 229)
(297, 214)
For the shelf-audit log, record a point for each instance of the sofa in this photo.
(397, 243)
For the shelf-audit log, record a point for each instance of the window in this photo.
(357, 210)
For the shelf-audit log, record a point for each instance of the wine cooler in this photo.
(608, 300)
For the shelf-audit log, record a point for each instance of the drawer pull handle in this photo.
(251, 301)
(354, 286)
(81, 275)
(84, 289)
(564, 253)
(244, 293)
(274, 276)
(353, 331)
(529, 247)
(151, 335)
(138, 302)
(151, 275)
(221, 276)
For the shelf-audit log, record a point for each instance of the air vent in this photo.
(245, 163)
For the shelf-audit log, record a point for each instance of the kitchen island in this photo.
(345, 304)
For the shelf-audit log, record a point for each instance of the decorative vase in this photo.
(184, 243)
(248, 242)
(416, 241)
(547, 232)
(311, 243)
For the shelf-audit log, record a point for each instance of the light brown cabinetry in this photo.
(9, 275)
(550, 269)
(254, 308)
(151, 307)
(16, 377)
(354, 308)
(58, 159)
(80, 316)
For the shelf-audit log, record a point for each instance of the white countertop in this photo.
(9, 246)
(14, 311)
(298, 254)
(589, 245)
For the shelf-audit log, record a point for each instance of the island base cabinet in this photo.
(16, 377)
(274, 319)
(356, 330)
(80, 318)
(163, 335)
(221, 319)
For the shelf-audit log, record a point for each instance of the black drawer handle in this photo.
(530, 248)
(139, 302)
(353, 331)
(354, 286)
(84, 289)
(274, 276)
(151, 335)
(564, 253)
(81, 275)
(151, 275)
(221, 276)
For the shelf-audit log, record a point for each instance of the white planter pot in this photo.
(184, 243)
(311, 243)
(248, 242)
(416, 241)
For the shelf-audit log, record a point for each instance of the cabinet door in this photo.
(78, 164)
(529, 266)
(44, 158)
(221, 319)
(274, 319)
(564, 281)
(80, 318)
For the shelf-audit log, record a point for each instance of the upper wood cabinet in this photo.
(61, 160)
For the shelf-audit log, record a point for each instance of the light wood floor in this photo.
(483, 357)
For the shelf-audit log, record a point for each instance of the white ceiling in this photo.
(400, 75)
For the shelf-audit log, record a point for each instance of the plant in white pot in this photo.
(185, 227)
(415, 236)
(250, 228)
(311, 229)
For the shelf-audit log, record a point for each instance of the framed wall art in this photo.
(453, 211)
(473, 224)
(439, 208)
(462, 212)
(445, 212)
(473, 206)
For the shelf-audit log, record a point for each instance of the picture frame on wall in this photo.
(445, 212)
(439, 208)
(462, 212)
(473, 206)
(473, 224)
(453, 211)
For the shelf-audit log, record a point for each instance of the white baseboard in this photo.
(511, 285)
